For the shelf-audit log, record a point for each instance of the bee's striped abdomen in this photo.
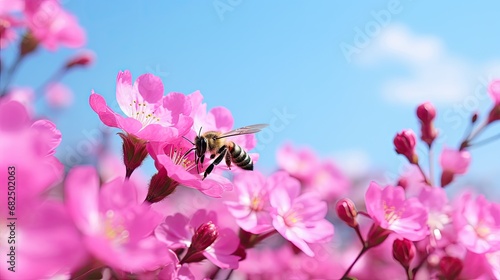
(240, 157)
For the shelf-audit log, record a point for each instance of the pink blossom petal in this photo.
(223, 118)
(288, 233)
(150, 87)
(13, 116)
(50, 136)
(172, 231)
(455, 161)
(107, 116)
(81, 193)
(178, 104)
(156, 132)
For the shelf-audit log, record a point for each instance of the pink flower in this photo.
(182, 168)
(477, 222)
(8, 23)
(454, 161)
(217, 244)
(116, 228)
(320, 176)
(299, 218)
(389, 208)
(251, 208)
(300, 163)
(150, 115)
(58, 95)
(7, 30)
(328, 181)
(52, 25)
(436, 203)
(29, 148)
(47, 244)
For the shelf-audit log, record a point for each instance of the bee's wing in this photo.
(244, 130)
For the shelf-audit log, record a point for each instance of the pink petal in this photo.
(177, 104)
(150, 87)
(156, 132)
(13, 116)
(81, 193)
(455, 161)
(107, 116)
(223, 118)
(50, 135)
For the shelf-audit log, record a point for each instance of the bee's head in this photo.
(201, 144)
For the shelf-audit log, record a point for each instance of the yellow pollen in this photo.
(483, 231)
(292, 218)
(256, 204)
(391, 215)
(113, 230)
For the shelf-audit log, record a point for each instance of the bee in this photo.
(220, 148)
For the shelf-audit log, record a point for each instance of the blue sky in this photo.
(263, 58)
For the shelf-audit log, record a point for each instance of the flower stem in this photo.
(431, 165)
(55, 77)
(473, 134)
(409, 274)
(427, 181)
(485, 141)
(354, 262)
(358, 233)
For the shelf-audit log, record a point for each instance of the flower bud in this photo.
(474, 117)
(403, 252)
(494, 114)
(346, 210)
(160, 186)
(404, 143)
(205, 235)
(376, 236)
(134, 152)
(28, 44)
(426, 112)
(82, 59)
(450, 267)
(446, 178)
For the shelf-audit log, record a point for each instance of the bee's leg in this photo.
(217, 160)
(228, 159)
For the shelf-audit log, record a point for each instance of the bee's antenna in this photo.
(188, 140)
(199, 132)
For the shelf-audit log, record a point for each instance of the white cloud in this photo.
(354, 163)
(434, 74)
